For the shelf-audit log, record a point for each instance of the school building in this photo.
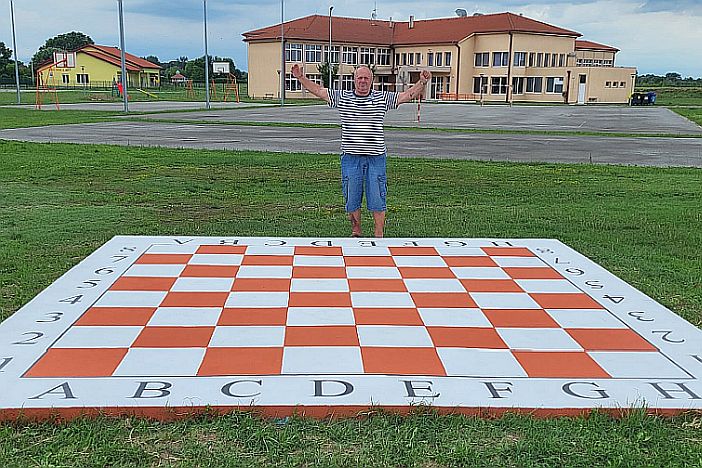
(493, 57)
(97, 65)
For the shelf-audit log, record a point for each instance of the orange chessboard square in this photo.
(85, 362)
(116, 316)
(241, 361)
(138, 283)
(253, 316)
(476, 261)
(387, 316)
(321, 299)
(163, 259)
(174, 337)
(607, 339)
(532, 273)
(565, 301)
(195, 299)
(561, 364)
(411, 361)
(261, 284)
(490, 285)
(508, 251)
(268, 260)
(520, 318)
(327, 335)
(209, 271)
(319, 251)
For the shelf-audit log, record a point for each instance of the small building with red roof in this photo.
(98, 65)
(496, 57)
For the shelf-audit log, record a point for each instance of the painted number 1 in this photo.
(5, 362)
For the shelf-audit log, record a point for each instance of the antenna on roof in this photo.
(374, 13)
(460, 12)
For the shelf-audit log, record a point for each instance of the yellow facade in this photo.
(92, 71)
(571, 75)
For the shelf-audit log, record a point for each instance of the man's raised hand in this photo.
(425, 76)
(296, 71)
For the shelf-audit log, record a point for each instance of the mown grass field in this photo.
(60, 202)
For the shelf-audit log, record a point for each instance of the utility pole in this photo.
(329, 55)
(207, 59)
(124, 61)
(282, 50)
(14, 46)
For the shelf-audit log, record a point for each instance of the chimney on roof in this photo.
(411, 21)
(391, 24)
(477, 14)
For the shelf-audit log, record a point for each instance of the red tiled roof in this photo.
(116, 53)
(110, 59)
(589, 45)
(365, 31)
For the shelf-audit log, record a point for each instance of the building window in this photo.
(438, 58)
(347, 82)
(532, 58)
(482, 59)
(519, 59)
(554, 60)
(534, 84)
(397, 59)
(383, 83)
(554, 85)
(500, 59)
(82, 78)
(622, 84)
(608, 84)
(383, 57)
(65, 78)
(447, 60)
(350, 55)
(313, 53)
(430, 59)
(447, 86)
(477, 82)
(404, 58)
(499, 85)
(614, 84)
(334, 54)
(316, 78)
(437, 85)
(293, 52)
(291, 83)
(539, 59)
(410, 59)
(561, 60)
(418, 58)
(518, 85)
(367, 55)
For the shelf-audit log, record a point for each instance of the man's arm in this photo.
(318, 90)
(416, 90)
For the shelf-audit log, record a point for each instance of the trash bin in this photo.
(651, 97)
(637, 99)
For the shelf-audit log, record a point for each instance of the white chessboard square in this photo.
(257, 299)
(437, 317)
(319, 285)
(216, 259)
(365, 251)
(157, 362)
(394, 336)
(538, 339)
(638, 365)
(248, 336)
(461, 252)
(270, 250)
(203, 285)
(322, 360)
(173, 249)
(372, 272)
(98, 337)
(480, 362)
(185, 317)
(504, 300)
(312, 316)
(585, 318)
(419, 261)
(547, 286)
(434, 285)
(321, 260)
(381, 299)
(519, 262)
(160, 271)
(261, 271)
(131, 299)
(479, 273)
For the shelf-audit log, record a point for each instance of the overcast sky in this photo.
(655, 36)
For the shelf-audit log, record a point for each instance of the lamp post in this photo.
(207, 57)
(123, 60)
(282, 52)
(329, 52)
(14, 46)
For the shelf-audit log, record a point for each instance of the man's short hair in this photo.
(363, 66)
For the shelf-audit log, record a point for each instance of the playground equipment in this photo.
(189, 93)
(47, 85)
(231, 86)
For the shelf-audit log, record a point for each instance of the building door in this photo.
(582, 86)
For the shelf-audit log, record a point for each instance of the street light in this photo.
(207, 58)
(329, 52)
(14, 46)
(124, 77)
(282, 52)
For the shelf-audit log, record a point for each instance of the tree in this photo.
(324, 70)
(152, 59)
(63, 42)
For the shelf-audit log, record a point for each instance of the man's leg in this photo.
(376, 185)
(355, 218)
(352, 186)
(379, 219)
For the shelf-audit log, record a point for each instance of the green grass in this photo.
(692, 113)
(60, 202)
(19, 118)
(675, 96)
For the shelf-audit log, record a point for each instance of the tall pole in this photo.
(14, 46)
(125, 79)
(282, 50)
(329, 55)
(207, 59)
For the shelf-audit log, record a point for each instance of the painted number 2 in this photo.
(30, 341)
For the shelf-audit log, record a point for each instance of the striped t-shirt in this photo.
(362, 120)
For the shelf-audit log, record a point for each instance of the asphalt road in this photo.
(431, 144)
(619, 119)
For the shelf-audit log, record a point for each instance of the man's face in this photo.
(363, 81)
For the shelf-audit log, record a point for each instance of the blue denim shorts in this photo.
(359, 174)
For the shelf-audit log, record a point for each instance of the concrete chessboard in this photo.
(163, 327)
